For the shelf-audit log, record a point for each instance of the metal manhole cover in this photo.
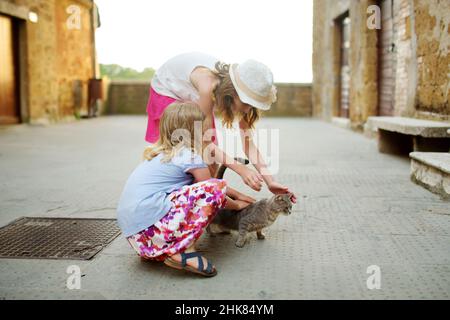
(56, 238)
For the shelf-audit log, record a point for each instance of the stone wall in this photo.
(405, 71)
(432, 29)
(422, 45)
(131, 97)
(127, 97)
(75, 57)
(293, 100)
(54, 58)
(326, 60)
(326, 39)
(363, 65)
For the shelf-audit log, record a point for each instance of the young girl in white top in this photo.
(238, 91)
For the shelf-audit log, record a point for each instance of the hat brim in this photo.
(245, 98)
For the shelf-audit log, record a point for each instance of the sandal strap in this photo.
(209, 268)
(190, 255)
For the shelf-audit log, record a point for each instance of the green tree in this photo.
(117, 72)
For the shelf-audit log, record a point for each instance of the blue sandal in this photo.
(209, 272)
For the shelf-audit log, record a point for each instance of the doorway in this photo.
(9, 73)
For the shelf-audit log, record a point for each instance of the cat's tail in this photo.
(221, 172)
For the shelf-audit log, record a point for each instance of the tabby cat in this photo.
(253, 218)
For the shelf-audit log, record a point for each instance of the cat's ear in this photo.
(279, 197)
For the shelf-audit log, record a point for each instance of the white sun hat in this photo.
(254, 85)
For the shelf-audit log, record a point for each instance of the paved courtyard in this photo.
(357, 208)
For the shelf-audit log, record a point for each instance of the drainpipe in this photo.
(95, 83)
(94, 51)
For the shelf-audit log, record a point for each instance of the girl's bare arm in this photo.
(254, 156)
(203, 174)
(205, 83)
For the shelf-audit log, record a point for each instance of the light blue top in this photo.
(144, 200)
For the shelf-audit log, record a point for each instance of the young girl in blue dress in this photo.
(170, 198)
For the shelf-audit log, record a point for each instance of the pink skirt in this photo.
(155, 107)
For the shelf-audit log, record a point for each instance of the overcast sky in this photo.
(145, 33)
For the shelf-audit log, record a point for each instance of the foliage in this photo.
(117, 72)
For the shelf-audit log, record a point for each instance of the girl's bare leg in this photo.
(213, 169)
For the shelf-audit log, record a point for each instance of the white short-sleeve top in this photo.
(172, 79)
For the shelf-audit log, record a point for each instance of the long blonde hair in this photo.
(177, 131)
(223, 95)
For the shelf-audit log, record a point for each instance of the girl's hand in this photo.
(277, 188)
(253, 179)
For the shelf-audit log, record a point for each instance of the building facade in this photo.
(47, 56)
(381, 58)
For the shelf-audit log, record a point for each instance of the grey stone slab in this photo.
(438, 160)
(432, 171)
(411, 126)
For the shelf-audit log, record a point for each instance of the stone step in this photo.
(411, 126)
(432, 171)
(400, 135)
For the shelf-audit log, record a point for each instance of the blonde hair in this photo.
(178, 116)
(224, 94)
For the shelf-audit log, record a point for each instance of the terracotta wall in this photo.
(55, 58)
(432, 29)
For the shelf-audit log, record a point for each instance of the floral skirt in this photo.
(193, 208)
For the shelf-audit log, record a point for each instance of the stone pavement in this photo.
(357, 208)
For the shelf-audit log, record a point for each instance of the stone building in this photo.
(383, 66)
(47, 56)
(381, 58)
